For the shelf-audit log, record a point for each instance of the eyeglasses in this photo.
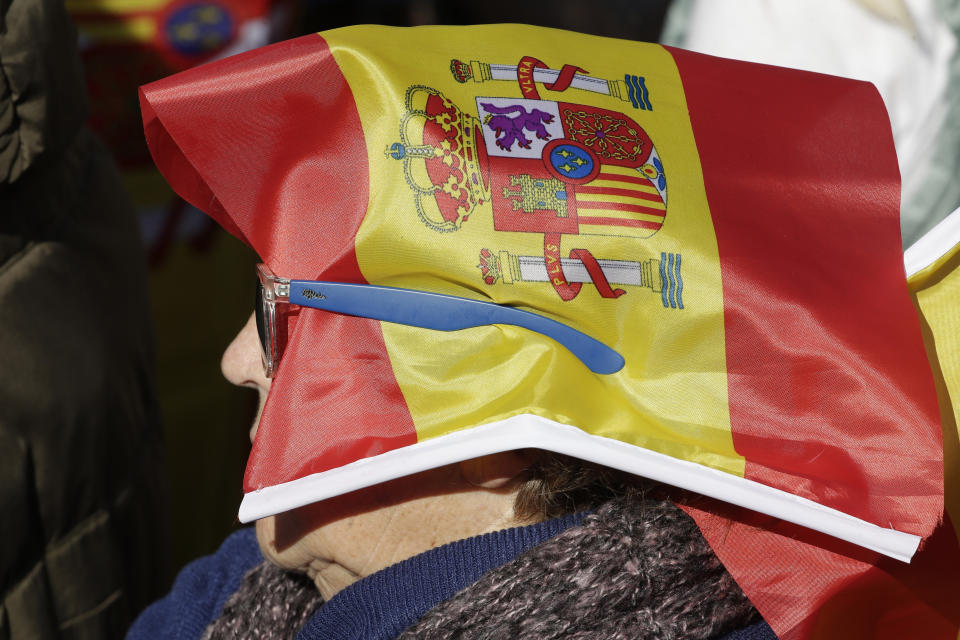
(414, 308)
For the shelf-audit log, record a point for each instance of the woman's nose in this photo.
(242, 362)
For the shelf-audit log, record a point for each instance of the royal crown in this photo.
(442, 161)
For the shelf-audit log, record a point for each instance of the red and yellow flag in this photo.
(731, 229)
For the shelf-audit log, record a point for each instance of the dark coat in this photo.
(82, 498)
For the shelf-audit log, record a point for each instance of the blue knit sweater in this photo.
(379, 606)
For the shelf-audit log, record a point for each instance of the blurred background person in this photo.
(83, 496)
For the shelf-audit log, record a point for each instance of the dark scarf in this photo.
(635, 569)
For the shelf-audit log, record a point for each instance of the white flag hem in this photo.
(933, 245)
(530, 431)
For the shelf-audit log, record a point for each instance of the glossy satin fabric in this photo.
(796, 399)
(269, 144)
(822, 388)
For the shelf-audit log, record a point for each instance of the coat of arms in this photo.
(542, 166)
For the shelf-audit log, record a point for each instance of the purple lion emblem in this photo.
(509, 128)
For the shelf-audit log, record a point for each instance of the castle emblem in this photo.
(542, 166)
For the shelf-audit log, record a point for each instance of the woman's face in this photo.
(340, 540)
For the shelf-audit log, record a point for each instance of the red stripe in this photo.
(830, 391)
(823, 340)
(835, 591)
(616, 176)
(620, 206)
(619, 222)
(240, 139)
(613, 191)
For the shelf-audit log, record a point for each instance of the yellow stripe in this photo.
(619, 215)
(617, 184)
(600, 197)
(459, 379)
(136, 30)
(114, 6)
(938, 296)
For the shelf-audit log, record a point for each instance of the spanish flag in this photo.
(729, 231)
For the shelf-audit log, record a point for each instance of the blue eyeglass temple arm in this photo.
(446, 313)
